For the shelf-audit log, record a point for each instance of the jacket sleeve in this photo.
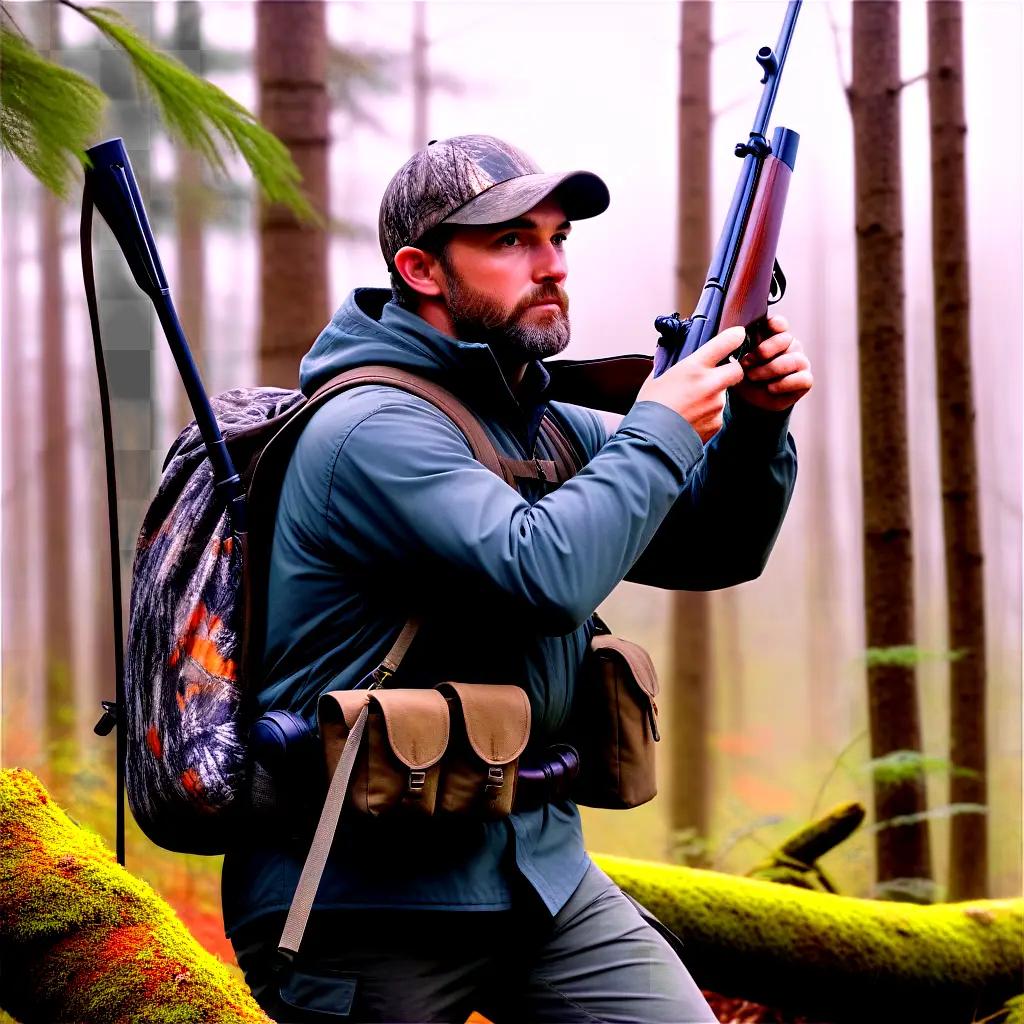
(723, 526)
(404, 489)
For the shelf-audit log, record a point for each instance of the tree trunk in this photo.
(965, 596)
(191, 276)
(56, 476)
(420, 76)
(291, 48)
(903, 851)
(85, 941)
(834, 958)
(827, 722)
(14, 479)
(690, 620)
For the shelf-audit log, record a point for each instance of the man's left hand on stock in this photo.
(777, 374)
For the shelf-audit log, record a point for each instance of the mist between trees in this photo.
(785, 657)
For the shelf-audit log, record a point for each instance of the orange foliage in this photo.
(750, 743)
(763, 796)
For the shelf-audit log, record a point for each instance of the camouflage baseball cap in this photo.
(475, 179)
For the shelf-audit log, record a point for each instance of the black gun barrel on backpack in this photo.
(111, 186)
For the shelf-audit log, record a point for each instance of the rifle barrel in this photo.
(773, 62)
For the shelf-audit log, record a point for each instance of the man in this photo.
(384, 512)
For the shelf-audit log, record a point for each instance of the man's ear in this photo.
(418, 270)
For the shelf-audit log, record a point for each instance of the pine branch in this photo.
(203, 116)
(48, 114)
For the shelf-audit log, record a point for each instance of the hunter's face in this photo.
(502, 283)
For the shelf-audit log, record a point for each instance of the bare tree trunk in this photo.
(822, 599)
(420, 76)
(291, 38)
(691, 612)
(903, 851)
(56, 477)
(14, 477)
(728, 660)
(965, 597)
(191, 276)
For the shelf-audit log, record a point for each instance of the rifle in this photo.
(744, 277)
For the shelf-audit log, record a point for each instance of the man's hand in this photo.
(695, 387)
(777, 374)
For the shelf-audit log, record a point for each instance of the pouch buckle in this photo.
(495, 780)
(417, 779)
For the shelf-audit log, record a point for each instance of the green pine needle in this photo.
(204, 116)
(906, 656)
(48, 114)
(905, 765)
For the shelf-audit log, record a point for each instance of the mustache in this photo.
(547, 293)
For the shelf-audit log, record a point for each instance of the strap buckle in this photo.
(417, 779)
(495, 781)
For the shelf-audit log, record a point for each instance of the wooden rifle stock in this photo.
(746, 298)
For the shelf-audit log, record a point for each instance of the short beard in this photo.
(477, 317)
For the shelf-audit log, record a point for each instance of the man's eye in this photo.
(508, 240)
(560, 238)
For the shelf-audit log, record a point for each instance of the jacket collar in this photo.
(476, 373)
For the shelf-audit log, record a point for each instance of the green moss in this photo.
(85, 940)
(1015, 1010)
(781, 940)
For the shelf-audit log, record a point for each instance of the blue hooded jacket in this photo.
(384, 512)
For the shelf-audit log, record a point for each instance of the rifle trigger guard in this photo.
(778, 285)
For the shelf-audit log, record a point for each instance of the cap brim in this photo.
(581, 193)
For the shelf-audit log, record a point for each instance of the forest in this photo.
(841, 753)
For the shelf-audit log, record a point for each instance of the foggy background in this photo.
(594, 86)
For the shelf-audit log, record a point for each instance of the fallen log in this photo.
(835, 958)
(83, 940)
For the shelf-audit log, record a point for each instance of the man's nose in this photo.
(550, 265)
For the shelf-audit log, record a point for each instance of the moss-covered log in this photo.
(82, 940)
(835, 958)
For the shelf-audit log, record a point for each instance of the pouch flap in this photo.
(416, 723)
(497, 719)
(339, 709)
(638, 660)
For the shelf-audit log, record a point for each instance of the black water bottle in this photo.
(287, 747)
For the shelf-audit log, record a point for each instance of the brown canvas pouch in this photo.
(490, 727)
(397, 769)
(614, 725)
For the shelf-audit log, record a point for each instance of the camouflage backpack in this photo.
(196, 616)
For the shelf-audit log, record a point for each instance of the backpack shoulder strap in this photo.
(481, 445)
(268, 474)
(568, 461)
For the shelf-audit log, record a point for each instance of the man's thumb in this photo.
(722, 345)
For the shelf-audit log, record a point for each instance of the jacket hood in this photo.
(370, 329)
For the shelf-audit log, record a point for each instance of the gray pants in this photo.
(598, 960)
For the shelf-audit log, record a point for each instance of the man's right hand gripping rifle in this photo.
(696, 386)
